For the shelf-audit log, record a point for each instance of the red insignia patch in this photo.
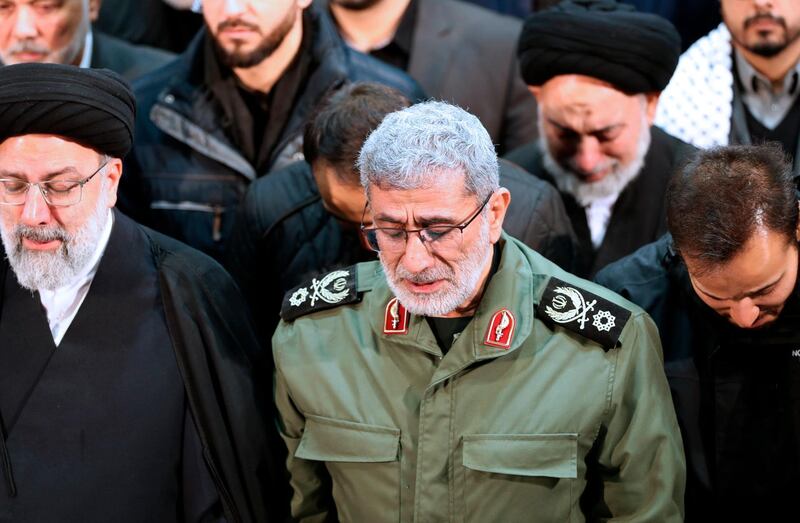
(396, 319)
(501, 330)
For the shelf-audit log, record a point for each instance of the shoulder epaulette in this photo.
(583, 312)
(331, 290)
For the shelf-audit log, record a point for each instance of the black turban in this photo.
(636, 52)
(94, 107)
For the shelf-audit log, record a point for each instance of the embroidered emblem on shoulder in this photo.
(331, 290)
(583, 312)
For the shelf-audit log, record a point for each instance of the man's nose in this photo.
(25, 24)
(35, 210)
(416, 257)
(588, 156)
(744, 313)
(764, 4)
(234, 7)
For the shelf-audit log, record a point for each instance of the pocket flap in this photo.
(327, 439)
(549, 455)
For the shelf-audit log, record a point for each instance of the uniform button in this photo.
(169, 99)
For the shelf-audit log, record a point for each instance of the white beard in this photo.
(613, 183)
(460, 284)
(53, 269)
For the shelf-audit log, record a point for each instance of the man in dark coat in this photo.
(724, 292)
(597, 99)
(303, 220)
(460, 53)
(127, 360)
(61, 33)
(231, 109)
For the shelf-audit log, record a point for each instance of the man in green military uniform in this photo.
(463, 377)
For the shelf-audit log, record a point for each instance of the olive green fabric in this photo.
(389, 429)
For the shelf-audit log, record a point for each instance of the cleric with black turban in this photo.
(597, 68)
(127, 383)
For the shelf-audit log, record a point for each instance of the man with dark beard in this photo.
(231, 109)
(597, 99)
(128, 386)
(462, 376)
(740, 83)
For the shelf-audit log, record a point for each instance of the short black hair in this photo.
(724, 195)
(341, 122)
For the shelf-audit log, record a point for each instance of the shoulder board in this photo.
(583, 312)
(326, 292)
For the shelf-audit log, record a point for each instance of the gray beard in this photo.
(37, 270)
(461, 286)
(614, 183)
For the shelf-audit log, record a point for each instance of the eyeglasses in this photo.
(58, 193)
(441, 238)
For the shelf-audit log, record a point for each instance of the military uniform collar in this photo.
(502, 322)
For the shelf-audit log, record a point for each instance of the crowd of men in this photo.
(332, 261)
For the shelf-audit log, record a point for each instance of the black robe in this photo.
(193, 417)
(639, 214)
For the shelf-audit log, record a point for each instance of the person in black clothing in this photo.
(130, 388)
(457, 51)
(303, 220)
(231, 109)
(61, 33)
(597, 99)
(724, 292)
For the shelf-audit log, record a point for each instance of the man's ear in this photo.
(113, 174)
(652, 105)
(94, 10)
(498, 206)
(536, 91)
(797, 228)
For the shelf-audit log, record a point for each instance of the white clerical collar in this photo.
(62, 304)
(86, 59)
(598, 216)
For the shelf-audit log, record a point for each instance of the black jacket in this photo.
(221, 364)
(736, 391)
(639, 215)
(284, 236)
(184, 177)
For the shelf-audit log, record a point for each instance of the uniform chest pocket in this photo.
(522, 475)
(364, 463)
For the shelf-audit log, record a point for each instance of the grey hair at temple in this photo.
(413, 148)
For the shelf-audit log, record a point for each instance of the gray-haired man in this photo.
(463, 376)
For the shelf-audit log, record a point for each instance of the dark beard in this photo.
(767, 50)
(770, 49)
(242, 60)
(355, 5)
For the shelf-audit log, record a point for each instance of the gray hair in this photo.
(411, 148)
